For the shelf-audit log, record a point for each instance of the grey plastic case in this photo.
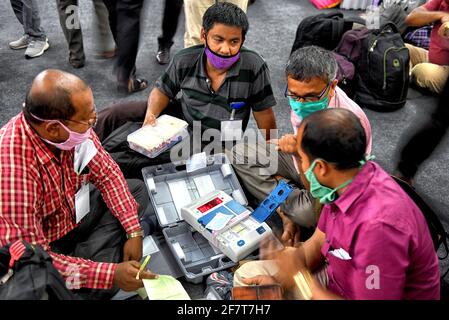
(196, 256)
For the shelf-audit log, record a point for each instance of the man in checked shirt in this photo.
(96, 253)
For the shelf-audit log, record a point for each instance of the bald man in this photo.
(52, 156)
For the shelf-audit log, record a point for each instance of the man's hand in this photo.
(443, 31)
(150, 119)
(259, 280)
(289, 261)
(133, 249)
(287, 144)
(125, 276)
(291, 233)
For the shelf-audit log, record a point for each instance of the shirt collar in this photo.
(357, 187)
(44, 154)
(232, 72)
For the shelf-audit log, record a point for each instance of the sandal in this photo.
(134, 85)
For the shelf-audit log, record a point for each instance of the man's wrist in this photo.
(135, 234)
(304, 282)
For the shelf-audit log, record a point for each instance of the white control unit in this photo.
(226, 224)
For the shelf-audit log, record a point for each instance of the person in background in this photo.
(430, 68)
(421, 145)
(172, 10)
(34, 39)
(194, 11)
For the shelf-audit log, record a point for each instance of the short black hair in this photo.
(336, 136)
(225, 13)
(54, 105)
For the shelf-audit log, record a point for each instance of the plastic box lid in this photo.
(152, 141)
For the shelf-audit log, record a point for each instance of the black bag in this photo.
(383, 70)
(437, 232)
(347, 55)
(397, 12)
(130, 161)
(34, 277)
(324, 30)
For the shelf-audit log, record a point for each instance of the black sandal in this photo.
(134, 85)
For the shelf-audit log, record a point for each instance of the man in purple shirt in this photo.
(372, 241)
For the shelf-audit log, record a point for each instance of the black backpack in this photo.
(383, 70)
(33, 275)
(437, 232)
(324, 30)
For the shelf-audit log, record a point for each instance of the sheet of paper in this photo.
(231, 130)
(180, 194)
(165, 288)
(341, 254)
(196, 162)
(204, 184)
(149, 246)
(82, 202)
(219, 221)
(83, 154)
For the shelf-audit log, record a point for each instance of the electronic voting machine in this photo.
(231, 227)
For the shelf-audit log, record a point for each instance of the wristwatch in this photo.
(303, 280)
(138, 233)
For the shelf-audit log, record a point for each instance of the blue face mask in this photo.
(303, 109)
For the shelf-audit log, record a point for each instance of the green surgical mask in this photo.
(324, 194)
(303, 109)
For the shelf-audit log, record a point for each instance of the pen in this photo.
(143, 266)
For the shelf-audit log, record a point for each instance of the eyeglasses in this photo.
(91, 122)
(308, 98)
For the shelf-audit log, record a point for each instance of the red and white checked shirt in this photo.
(37, 198)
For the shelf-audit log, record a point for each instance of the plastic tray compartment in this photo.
(195, 255)
(170, 186)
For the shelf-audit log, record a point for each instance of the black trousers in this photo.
(127, 38)
(422, 144)
(172, 10)
(100, 236)
(118, 114)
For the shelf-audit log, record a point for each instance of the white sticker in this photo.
(231, 130)
(180, 194)
(219, 221)
(82, 202)
(196, 162)
(149, 246)
(204, 184)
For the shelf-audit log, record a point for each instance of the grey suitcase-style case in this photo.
(195, 256)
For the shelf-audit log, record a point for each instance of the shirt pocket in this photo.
(340, 274)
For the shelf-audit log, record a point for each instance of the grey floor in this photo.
(272, 29)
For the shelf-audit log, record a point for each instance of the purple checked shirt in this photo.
(388, 252)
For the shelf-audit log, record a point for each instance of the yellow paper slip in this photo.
(165, 288)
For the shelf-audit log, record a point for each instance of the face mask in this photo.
(73, 140)
(324, 194)
(221, 62)
(303, 109)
